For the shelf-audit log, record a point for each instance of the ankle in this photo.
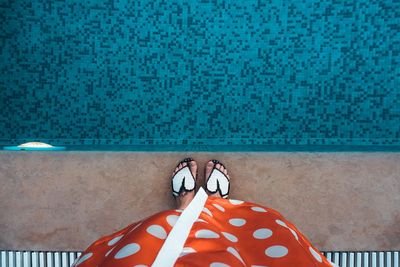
(184, 200)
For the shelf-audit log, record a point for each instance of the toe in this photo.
(180, 166)
(193, 168)
(209, 168)
(221, 167)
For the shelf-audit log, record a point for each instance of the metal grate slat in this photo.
(364, 258)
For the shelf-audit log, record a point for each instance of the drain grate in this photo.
(12, 258)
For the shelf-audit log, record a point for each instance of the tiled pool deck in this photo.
(65, 200)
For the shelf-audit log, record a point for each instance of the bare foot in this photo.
(183, 200)
(209, 168)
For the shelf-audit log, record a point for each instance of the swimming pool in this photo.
(201, 75)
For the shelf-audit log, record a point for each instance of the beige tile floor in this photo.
(66, 200)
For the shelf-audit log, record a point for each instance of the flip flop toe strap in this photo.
(218, 182)
(183, 180)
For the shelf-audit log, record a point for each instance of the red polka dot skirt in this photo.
(227, 233)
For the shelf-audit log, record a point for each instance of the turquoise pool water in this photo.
(201, 75)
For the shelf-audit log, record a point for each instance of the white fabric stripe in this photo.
(176, 239)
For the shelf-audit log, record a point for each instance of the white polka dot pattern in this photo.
(276, 251)
(230, 237)
(114, 240)
(294, 233)
(187, 250)
(262, 233)
(157, 231)
(206, 234)
(235, 253)
(270, 239)
(237, 222)
(127, 251)
(219, 264)
(207, 211)
(108, 252)
(281, 223)
(315, 254)
(84, 258)
(134, 228)
(258, 209)
(290, 229)
(236, 202)
(171, 219)
(219, 207)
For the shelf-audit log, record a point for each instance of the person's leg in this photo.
(209, 168)
(183, 200)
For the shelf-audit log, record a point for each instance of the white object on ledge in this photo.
(35, 144)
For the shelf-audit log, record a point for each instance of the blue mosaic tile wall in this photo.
(209, 72)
